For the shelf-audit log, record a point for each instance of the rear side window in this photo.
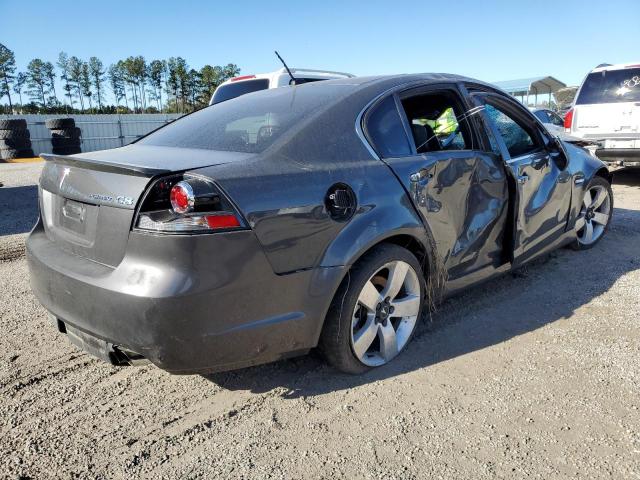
(437, 122)
(250, 123)
(233, 90)
(613, 86)
(385, 130)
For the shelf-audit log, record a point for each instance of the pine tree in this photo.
(37, 81)
(20, 82)
(7, 69)
(63, 65)
(96, 71)
(75, 78)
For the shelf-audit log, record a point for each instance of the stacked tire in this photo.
(65, 136)
(15, 140)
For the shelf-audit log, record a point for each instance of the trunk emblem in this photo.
(120, 199)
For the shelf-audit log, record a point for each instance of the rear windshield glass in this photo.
(233, 90)
(613, 86)
(250, 123)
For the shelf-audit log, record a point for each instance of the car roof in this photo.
(379, 84)
(400, 79)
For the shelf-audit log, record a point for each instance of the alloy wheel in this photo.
(594, 215)
(385, 314)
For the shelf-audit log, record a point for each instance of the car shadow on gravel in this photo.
(545, 291)
(19, 207)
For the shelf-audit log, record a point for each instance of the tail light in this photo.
(184, 204)
(568, 119)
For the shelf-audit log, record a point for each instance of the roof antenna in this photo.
(285, 66)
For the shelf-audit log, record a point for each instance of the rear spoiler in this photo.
(110, 167)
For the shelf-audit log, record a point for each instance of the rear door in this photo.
(427, 138)
(538, 166)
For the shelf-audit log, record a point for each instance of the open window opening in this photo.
(438, 122)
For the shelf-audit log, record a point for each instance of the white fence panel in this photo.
(99, 132)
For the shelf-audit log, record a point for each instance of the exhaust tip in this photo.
(123, 356)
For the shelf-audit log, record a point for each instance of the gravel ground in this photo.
(533, 375)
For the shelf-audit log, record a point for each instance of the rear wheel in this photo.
(595, 214)
(375, 312)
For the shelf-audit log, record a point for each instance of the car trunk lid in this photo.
(88, 201)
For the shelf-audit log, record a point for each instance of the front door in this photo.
(538, 165)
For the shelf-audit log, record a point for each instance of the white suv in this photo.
(237, 86)
(607, 109)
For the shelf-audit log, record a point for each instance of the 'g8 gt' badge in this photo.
(124, 200)
(120, 199)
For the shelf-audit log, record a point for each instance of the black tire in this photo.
(59, 123)
(335, 340)
(73, 132)
(66, 150)
(15, 143)
(12, 154)
(6, 134)
(65, 142)
(595, 182)
(14, 124)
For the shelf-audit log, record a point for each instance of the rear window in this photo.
(233, 90)
(250, 123)
(613, 86)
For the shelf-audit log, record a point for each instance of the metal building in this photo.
(524, 88)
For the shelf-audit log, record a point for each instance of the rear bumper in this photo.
(621, 157)
(188, 304)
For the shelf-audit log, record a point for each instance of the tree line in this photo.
(136, 85)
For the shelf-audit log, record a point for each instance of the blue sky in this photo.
(491, 41)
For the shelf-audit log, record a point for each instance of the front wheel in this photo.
(595, 214)
(375, 312)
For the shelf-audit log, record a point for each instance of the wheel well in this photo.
(418, 249)
(408, 242)
(604, 173)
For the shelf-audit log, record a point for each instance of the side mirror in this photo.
(555, 144)
(557, 151)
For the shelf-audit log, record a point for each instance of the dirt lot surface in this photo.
(534, 375)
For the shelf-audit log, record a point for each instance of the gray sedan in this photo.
(325, 215)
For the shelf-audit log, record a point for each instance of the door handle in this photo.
(522, 179)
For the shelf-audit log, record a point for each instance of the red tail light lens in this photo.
(568, 119)
(178, 204)
(181, 197)
(223, 220)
